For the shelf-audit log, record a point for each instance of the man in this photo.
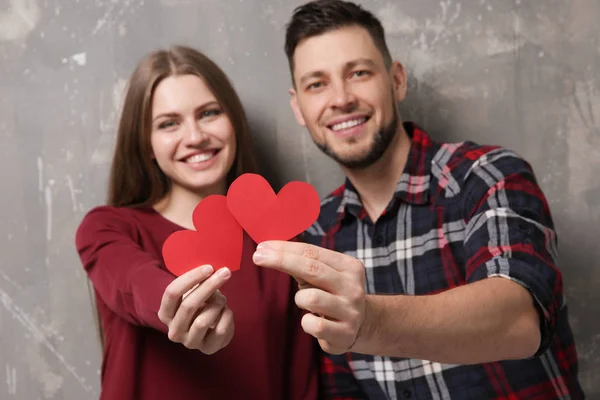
(431, 273)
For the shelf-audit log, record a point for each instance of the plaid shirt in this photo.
(460, 213)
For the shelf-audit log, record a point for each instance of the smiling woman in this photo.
(153, 104)
(183, 136)
(193, 140)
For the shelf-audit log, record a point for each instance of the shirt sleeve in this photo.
(510, 233)
(128, 279)
(304, 351)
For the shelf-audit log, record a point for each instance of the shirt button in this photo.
(407, 393)
(378, 240)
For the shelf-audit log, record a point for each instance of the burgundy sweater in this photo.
(270, 357)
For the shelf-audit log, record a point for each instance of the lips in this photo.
(341, 124)
(200, 156)
(348, 124)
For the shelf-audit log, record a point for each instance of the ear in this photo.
(296, 107)
(398, 76)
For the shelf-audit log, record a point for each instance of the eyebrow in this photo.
(311, 75)
(349, 65)
(365, 61)
(175, 114)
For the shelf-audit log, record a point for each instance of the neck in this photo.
(179, 203)
(377, 183)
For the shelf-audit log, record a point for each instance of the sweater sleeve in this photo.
(304, 351)
(128, 279)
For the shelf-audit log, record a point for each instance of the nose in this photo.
(193, 135)
(342, 96)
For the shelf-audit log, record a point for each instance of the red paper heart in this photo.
(266, 216)
(217, 240)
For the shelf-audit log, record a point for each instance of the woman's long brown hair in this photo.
(135, 179)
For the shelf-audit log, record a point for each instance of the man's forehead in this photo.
(334, 49)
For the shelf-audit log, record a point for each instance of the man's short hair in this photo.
(321, 16)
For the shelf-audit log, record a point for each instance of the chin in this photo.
(206, 182)
(208, 189)
(356, 152)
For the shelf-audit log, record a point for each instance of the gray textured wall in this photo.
(520, 73)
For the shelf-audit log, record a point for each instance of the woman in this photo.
(182, 136)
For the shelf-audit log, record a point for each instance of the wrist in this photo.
(366, 331)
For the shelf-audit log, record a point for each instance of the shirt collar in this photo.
(413, 186)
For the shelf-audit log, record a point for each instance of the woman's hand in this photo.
(196, 312)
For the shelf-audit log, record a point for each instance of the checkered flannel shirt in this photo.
(460, 213)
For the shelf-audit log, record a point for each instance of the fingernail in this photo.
(259, 256)
(264, 246)
(207, 270)
(224, 272)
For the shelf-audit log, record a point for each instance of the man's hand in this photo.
(196, 312)
(336, 299)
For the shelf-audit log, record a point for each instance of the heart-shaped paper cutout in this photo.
(217, 240)
(266, 216)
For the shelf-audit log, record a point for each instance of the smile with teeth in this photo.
(348, 124)
(198, 158)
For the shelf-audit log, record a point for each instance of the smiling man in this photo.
(431, 272)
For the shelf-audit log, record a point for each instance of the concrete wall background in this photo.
(523, 74)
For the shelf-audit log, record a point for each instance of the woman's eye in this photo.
(210, 113)
(166, 124)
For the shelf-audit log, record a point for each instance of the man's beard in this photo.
(381, 141)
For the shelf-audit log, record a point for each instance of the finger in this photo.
(326, 304)
(221, 336)
(332, 258)
(303, 284)
(208, 317)
(190, 291)
(307, 269)
(334, 332)
(174, 293)
(196, 300)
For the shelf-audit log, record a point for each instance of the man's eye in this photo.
(360, 73)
